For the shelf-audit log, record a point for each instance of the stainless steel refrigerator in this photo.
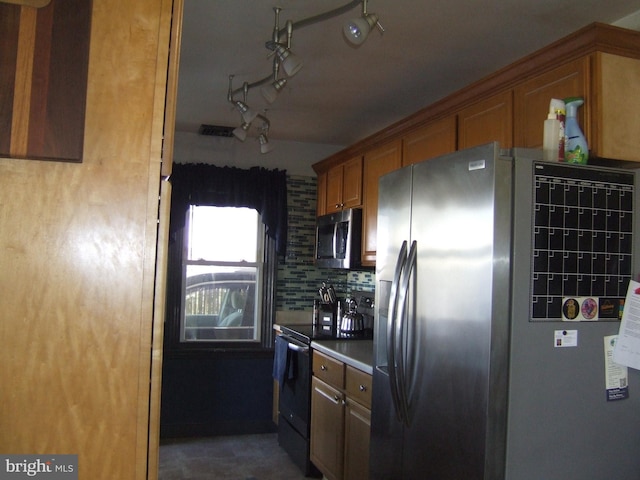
(484, 368)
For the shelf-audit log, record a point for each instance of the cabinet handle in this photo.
(323, 368)
(363, 388)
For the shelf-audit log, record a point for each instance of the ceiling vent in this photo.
(215, 131)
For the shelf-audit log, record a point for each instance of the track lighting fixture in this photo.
(291, 64)
(265, 146)
(285, 61)
(241, 132)
(357, 30)
(270, 92)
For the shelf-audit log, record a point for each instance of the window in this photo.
(222, 271)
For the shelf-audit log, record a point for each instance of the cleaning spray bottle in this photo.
(553, 136)
(575, 145)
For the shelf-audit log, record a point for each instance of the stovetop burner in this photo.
(305, 333)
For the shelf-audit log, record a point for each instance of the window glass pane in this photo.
(222, 280)
(220, 303)
(222, 233)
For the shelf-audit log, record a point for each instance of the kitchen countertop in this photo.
(357, 353)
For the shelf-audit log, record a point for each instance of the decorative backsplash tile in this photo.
(298, 277)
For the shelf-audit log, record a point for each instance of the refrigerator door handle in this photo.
(391, 329)
(400, 349)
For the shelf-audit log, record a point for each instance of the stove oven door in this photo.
(295, 406)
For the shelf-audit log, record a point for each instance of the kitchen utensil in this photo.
(352, 321)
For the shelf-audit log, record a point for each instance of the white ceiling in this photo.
(344, 94)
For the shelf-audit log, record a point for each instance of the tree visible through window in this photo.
(223, 260)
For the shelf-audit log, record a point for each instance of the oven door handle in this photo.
(295, 345)
(298, 348)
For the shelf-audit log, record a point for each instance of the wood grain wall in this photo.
(78, 259)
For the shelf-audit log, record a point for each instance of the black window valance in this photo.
(259, 188)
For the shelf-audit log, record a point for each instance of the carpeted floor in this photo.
(244, 457)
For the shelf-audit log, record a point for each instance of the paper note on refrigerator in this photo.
(627, 348)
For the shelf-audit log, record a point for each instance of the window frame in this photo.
(265, 268)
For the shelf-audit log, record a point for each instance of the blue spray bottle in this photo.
(575, 145)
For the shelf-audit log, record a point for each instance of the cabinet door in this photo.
(344, 186)
(327, 429)
(489, 120)
(429, 141)
(356, 444)
(377, 163)
(352, 183)
(616, 127)
(321, 201)
(531, 100)
(334, 189)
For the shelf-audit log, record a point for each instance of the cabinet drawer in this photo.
(328, 369)
(358, 386)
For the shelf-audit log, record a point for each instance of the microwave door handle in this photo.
(335, 240)
(391, 329)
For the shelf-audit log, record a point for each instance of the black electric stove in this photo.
(305, 333)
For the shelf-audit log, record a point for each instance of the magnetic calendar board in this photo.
(582, 240)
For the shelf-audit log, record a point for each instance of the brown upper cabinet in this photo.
(614, 129)
(610, 86)
(487, 121)
(343, 188)
(321, 201)
(600, 63)
(429, 141)
(377, 162)
(531, 99)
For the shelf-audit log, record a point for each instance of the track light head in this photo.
(265, 146)
(241, 132)
(247, 114)
(270, 91)
(290, 63)
(357, 29)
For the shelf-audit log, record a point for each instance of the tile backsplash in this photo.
(298, 277)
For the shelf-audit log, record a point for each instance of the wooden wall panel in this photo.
(48, 92)
(78, 255)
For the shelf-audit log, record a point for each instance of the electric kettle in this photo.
(352, 321)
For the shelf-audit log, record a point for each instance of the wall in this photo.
(223, 393)
(298, 278)
(77, 262)
(294, 157)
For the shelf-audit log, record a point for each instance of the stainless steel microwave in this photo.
(338, 239)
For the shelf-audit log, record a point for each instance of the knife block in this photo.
(328, 322)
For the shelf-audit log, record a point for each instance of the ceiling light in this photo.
(291, 64)
(241, 132)
(247, 114)
(265, 146)
(280, 47)
(357, 29)
(270, 92)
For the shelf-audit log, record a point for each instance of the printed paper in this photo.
(627, 347)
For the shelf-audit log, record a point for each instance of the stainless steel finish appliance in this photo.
(338, 238)
(478, 253)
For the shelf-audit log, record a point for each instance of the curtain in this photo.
(259, 188)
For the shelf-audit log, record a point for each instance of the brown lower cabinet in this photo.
(340, 419)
